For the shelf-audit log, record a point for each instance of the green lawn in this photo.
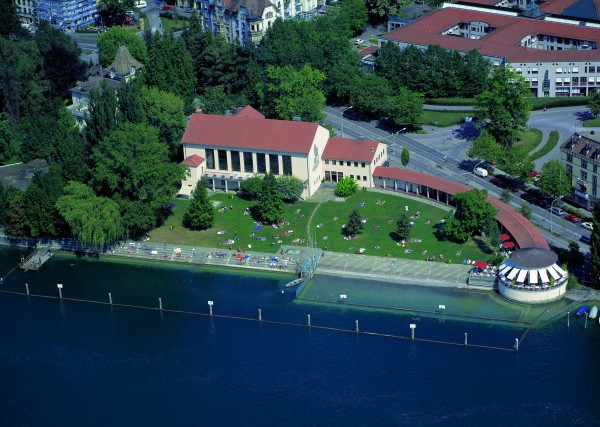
(530, 139)
(378, 231)
(591, 123)
(174, 24)
(444, 118)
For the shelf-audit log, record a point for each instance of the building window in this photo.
(327, 176)
(583, 164)
(364, 178)
(594, 180)
(189, 173)
(210, 158)
(575, 69)
(248, 163)
(235, 161)
(269, 15)
(287, 165)
(595, 168)
(326, 161)
(261, 163)
(274, 164)
(222, 160)
(363, 164)
(355, 164)
(348, 163)
(334, 162)
(570, 171)
(584, 175)
(559, 70)
(570, 157)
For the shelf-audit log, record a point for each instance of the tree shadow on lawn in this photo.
(482, 245)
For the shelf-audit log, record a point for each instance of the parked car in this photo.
(588, 225)
(585, 238)
(167, 7)
(544, 203)
(480, 172)
(529, 198)
(188, 10)
(572, 218)
(140, 3)
(497, 181)
(359, 41)
(556, 211)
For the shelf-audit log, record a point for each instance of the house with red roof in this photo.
(226, 150)
(554, 58)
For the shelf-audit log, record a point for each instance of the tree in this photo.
(474, 73)
(346, 187)
(525, 210)
(473, 211)
(110, 41)
(131, 166)
(370, 94)
(170, 66)
(352, 16)
(354, 224)
(93, 220)
(251, 188)
(9, 140)
(130, 102)
(506, 195)
(15, 216)
(296, 93)
(485, 147)
(270, 205)
(380, 9)
(574, 257)
(62, 65)
(40, 198)
(291, 187)
(103, 114)
(594, 103)
(405, 156)
(165, 111)
(504, 106)
(554, 179)
(9, 19)
(112, 12)
(491, 230)
(201, 213)
(403, 227)
(404, 108)
(517, 162)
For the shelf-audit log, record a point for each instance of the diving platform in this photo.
(36, 259)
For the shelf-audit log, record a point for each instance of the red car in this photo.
(572, 218)
(167, 7)
(497, 181)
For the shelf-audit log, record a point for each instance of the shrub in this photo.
(346, 187)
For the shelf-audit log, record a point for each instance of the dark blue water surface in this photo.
(73, 363)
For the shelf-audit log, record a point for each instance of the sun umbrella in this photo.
(504, 237)
(481, 264)
(508, 244)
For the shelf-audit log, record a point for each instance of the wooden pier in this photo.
(36, 259)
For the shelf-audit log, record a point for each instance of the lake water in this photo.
(75, 363)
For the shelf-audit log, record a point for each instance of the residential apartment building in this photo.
(26, 10)
(67, 15)
(580, 155)
(240, 21)
(225, 150)
(554, 58)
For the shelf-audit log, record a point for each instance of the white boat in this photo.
(593, 312)
(295, 282)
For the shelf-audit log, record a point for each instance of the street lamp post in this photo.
(551, 213)
(343, 118)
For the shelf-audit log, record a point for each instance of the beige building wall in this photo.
(193, 175)
(363, 175)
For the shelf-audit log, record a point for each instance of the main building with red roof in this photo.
(555, 58)
(225, 150)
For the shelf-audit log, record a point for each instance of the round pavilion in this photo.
(532, 275)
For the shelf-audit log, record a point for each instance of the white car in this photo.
(588, 225)
(359, 41)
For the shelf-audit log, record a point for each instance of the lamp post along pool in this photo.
(342, 118)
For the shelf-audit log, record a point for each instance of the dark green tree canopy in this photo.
(110, 41)
(403, 227)
(354, 224)
(554, 179)
(504, 106)
(103, 114)
(291, 187)
(201, 213)
(251, 188)
(473, 211)
(270, 205)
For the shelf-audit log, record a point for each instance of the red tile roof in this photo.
(368, 51)
(524, 232)
(193, 161)
(249, 133)
(504, 41)
(249, 113)
(351, 149)
(556, 6)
